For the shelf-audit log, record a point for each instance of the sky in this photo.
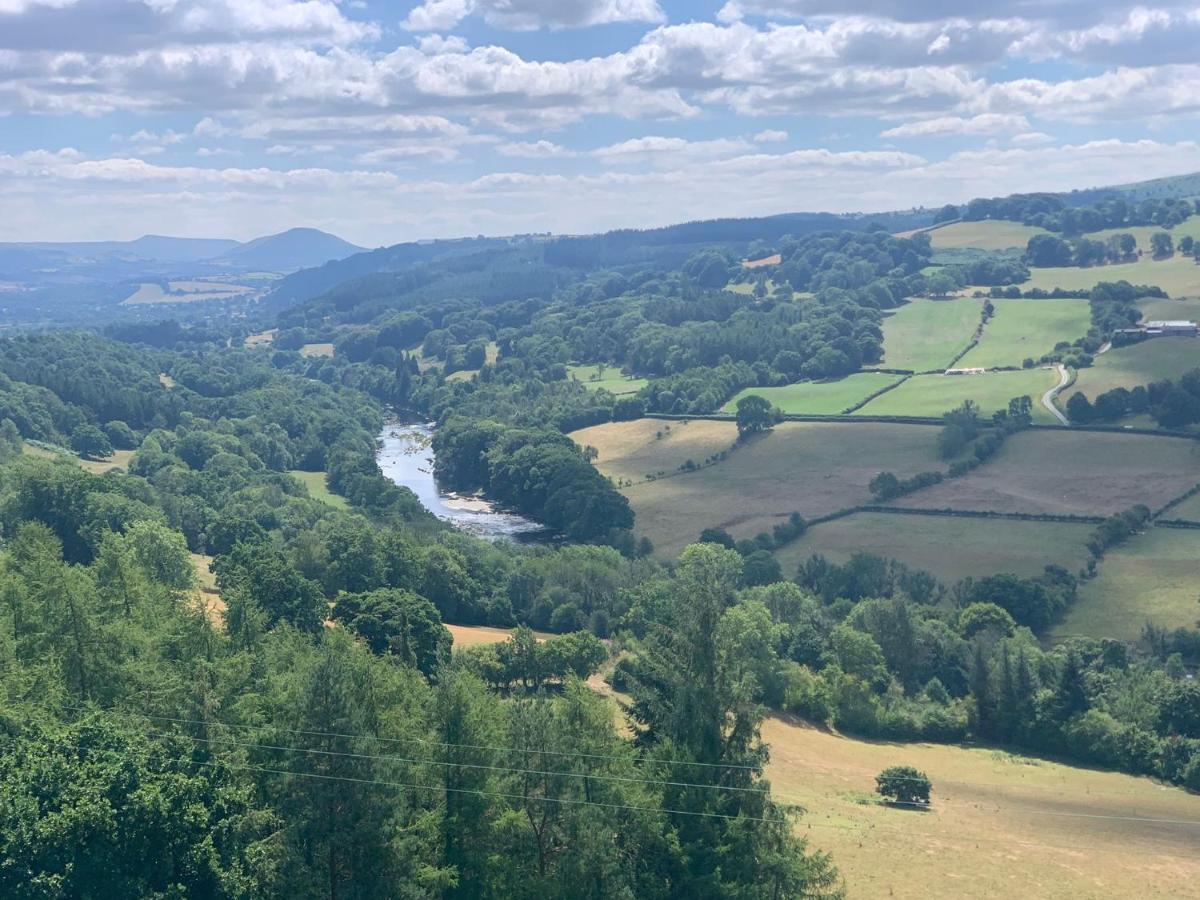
(392, 121)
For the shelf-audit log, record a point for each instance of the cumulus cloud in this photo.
(528, 15)
(769, 135)
(534, 150)
(985, 123)
(1058, 11)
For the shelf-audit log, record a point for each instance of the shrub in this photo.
(903, 784)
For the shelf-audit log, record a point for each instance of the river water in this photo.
(405, 457)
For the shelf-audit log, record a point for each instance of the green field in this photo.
(317, 489)
(1027, 328)
(951, 548)
(1000, 825)
(986, 235)
(1151, 578)
(1073, 473)
(812, 468)
(614, 381)
(923, 335)
(1178, 276)
(1142, 232)
(933, 395)
(1135, 364)
(1175, 308)
(820, 398)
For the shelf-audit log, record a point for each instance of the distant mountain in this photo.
(295, 248)
(149, 247)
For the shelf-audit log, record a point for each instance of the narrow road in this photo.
(1048, 398)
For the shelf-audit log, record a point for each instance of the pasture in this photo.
(633, 450)
(950, 548)
(989, 234)
(819, 398)
(813, 468)
(318, 489)
(260, 339)
(1071, 473)
(933, 395)
(610, 379)
(477, 635)
(185, 292)
(1175, 308)
(1135, 364)
(1178, 276)
(923, 335)
(1021, 329)
(119, 459)
(1142, 233)
(317, 350)
(1000, 825)
(1153, 577)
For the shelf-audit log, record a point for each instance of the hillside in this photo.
(292, 249)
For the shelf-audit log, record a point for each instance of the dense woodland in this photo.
(322, 738)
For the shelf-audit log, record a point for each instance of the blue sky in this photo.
(391, 121)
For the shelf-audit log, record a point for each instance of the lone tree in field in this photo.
(755, 414)
(91, 442)
(903, 784)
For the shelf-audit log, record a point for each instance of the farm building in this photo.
(1162, 329)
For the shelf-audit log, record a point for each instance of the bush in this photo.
(903, 784)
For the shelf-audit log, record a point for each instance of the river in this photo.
(405, 456)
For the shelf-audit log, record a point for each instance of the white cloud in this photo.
(528, 15)
(985, 124)
(1031, 138)
(534, 150)
(770, 135)
(655, 150)
(1058, 11)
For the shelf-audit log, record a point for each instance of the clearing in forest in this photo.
(819, 398)
(610, 379)
(318, 489)
(476, 635)
(923, 335)
(1026, 329)
(317, 350)
(933, 395)
(1000, 825)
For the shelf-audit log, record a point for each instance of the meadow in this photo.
(614, 380)
(1071, 473)
(950, 548)
(1140, 363)
(1150, 578)
(119, 459)
(318, 489)
(819, 398)
(1179, 276)
(923, 335)
(325, 349)
(1142, 233)
(989, 234)
(1000, 825)
(933, 395)
(1021, 329)
(633, 450)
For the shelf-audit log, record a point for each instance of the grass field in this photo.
(1142, 233)
(820, 398)
(812, 468)
(1027, 328)
(932, 395)
(119, 459)
(260, 339)
(1135, 364)
(1150, 578)
(614, 381)
(1071, 472)
(1175, 308)
(1178, 276)
(926, 334)
(948, 547)
(475, 635)
(985, 235)
(318, 490)
(1189, 509)
(317, 350)
(633, 450)
(999, 826)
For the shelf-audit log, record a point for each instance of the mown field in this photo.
(812, 468)
(1153, 577)
(1000, 825)
(1071, 472)
(614, 381)
(932, 395)
(926, 334)
(475, 635)
(119, 459)
(1178, 276)
(1134, 364)
(1022, 329)
(986, 235)
(318, 490)
(317, 350)
(820, 398)
(950, 548)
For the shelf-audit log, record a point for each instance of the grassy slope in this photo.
(949, 548)
(1175, 308)
(633, 450)
(1143, 232)
(119, 459)
(996, 827)
(986, 235)
(1027, 328)
(927, 334)
(1136, 364)
(1069, 472)
(820, 397)
(1151, 578)
(317, 489)
(932, 395)
(613, 381)
(1178, 276)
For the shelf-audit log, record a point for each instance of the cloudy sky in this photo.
(391, 121)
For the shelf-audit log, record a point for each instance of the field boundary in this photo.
(883, 390)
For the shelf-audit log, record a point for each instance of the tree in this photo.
(1079, 408)
(904, 785)
(398, 622)
(120, 435)
(884, 486)
(90, 442)
(1161, 245)
(755, 414)
(1044, 250)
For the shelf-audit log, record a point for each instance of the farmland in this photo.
(633, 450)
(988, 234)
(1150, 578)
(1022, 329)
(1142, 233)
(1000, 825)
(185, 292)
(1073, 473)
(477, 635)
(927, 334)
(1178, 276)
(325, 349)
(825, 398)
(1139, 363)
(611, 379)
(932, 395)
(950, 548)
